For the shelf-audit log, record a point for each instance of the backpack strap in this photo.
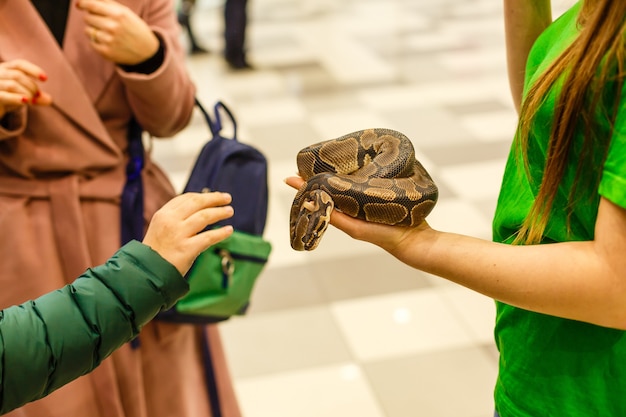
(219, 106)
(214, 126)
(132, 194)
(209, 373)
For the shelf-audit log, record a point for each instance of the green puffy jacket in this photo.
(62, 335)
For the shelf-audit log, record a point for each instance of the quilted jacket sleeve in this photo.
(54, 339)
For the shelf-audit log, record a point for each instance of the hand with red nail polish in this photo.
(19, 86)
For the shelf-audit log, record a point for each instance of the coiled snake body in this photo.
(370, 174)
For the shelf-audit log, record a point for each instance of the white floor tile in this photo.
(459, 216)
(333, 124)
(476, 181)
(491, 127)
(474, 60)
(333, 391)
(399, 324)
(270, 342)
(477, 312)
(460, 90)
(267, 111)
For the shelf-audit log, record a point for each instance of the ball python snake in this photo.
(370, 174)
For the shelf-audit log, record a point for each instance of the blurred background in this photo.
(346, 330)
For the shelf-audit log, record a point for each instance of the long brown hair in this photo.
(593, 60)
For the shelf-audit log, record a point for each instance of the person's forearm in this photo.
(524, 20)
(79, 325)
(571, 280)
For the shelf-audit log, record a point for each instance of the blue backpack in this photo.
(225, 164)
(222, 278)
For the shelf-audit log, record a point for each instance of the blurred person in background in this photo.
(72, 75)
(184, 10)
(235, 28)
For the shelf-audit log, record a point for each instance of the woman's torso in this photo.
(551, 366)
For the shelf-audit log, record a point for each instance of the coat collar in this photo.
(75, 80)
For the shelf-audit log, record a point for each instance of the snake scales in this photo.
(369, 174)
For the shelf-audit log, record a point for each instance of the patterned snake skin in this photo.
(370, 174)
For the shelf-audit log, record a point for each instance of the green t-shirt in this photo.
(551, 366)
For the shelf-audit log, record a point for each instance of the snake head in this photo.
(310, 218)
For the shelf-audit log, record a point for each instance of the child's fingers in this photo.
(185, 205)
(211, 237)
(206, 217)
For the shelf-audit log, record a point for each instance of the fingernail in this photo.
(24, 100)
(37, 94)
(43, 77)
(34, 100)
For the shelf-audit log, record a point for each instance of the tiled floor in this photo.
(347, 330)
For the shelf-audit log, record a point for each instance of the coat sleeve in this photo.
(162, 101)
(52, 340)
(13, 124)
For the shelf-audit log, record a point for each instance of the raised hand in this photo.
(117, 33)
(19, 86)
(174, 231)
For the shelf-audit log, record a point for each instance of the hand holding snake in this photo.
(370, 175)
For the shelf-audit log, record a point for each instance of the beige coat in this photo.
(61, 176)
